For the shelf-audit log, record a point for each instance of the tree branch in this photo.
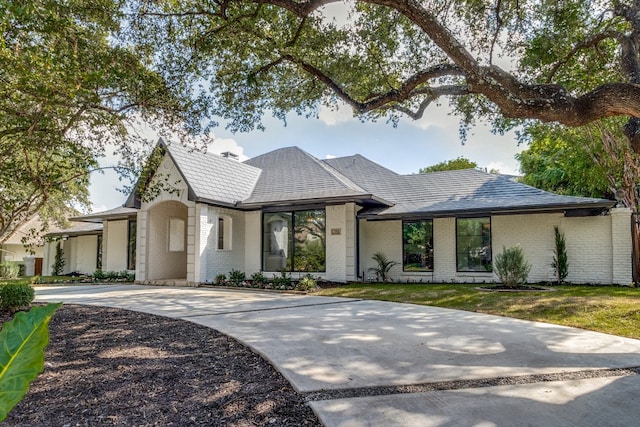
(432, 94)
(585, 44)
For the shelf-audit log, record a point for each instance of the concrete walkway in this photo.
(370, 363)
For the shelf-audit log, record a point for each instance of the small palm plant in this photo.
(383, 267)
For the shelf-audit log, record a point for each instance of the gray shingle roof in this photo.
(290, 174)
(212, 178)
(115, 213)
(454, 192)
(77, 228)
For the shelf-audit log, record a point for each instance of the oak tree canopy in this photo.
(572, 62)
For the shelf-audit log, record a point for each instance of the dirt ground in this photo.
(108, 366)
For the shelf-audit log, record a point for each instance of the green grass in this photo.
(608, 309)
(44, 279)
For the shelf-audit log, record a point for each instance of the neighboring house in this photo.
(287, 210)
(101, 241)
(14, 249)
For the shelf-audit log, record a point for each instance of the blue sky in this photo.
(405, 149)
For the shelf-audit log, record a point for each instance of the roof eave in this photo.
(363, 198)
(533, 209)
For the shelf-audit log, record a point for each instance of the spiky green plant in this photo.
(384, 265)
(560, 261)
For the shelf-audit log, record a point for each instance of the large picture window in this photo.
(417, 244)
(473, 244)
(294, 241)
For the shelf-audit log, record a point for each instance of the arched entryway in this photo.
(167, 241)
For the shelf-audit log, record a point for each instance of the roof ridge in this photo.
(334, 172)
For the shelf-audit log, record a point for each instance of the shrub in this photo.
(236, 277)
(512, 267)
(560, 261)
(58, 261)
(383, 267)
(15, 296)
(258, 278)
(282, 282)
(307, 283)
(9, 270)
(220, 279)
(99, 275)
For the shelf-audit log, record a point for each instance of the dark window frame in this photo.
(132, 246)
(221, 233)
(291, 246)
(490, 244)
(404, 254)
(99, 252)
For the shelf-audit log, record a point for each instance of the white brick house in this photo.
(289, 210)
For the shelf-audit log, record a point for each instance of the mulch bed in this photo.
(108, 366)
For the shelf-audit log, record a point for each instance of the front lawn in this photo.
(608, 309)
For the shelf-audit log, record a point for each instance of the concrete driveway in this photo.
(370, 363)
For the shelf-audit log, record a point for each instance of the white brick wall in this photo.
(223, 261)
(599, 248)
(115, 245)
(381, 236)
(622, 246)
(444, 250)
(336, 240)
(534, 234)
(253, 242)
(141, 246)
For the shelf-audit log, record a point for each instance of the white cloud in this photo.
(329, 156)
(503, 168)
(332, 116)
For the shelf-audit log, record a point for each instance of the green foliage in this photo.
(383, 267)
(283, 281)
(69, 92)
(236, 277)
(511, 266)
(563, 161)
(113, 276)
(258, 278)
(58, 261)
(307, 283)
(22, 344)
(560, 261)
(220, 279)
(9, 270)
(450, 165)
(393, 58)
(16, 296)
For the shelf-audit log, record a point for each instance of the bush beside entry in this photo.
(512, 267)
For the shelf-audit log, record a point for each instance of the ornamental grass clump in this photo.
(512, 267)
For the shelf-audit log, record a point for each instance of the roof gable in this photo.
(212, 178)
